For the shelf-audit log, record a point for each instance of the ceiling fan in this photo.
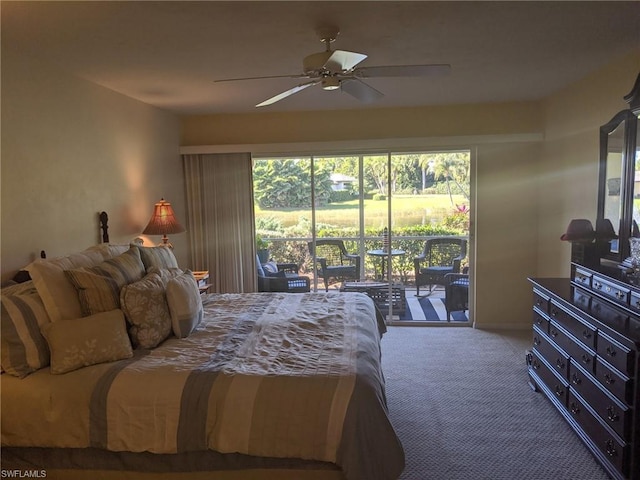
(337, 69)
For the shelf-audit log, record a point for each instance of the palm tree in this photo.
(450, 166)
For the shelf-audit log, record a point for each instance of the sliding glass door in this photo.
(380, 208)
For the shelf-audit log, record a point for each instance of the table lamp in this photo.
(163, 221)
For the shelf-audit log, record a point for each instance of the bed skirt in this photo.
(78, 463)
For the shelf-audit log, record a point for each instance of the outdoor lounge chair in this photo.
(441, 255)
(281, 277)
(334, 262)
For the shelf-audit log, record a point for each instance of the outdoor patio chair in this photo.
(281, 277)
(456, 293)
(440, 256)
(334, 262)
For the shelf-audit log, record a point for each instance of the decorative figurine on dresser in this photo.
(586, 328)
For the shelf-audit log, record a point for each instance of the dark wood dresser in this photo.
(585, 359)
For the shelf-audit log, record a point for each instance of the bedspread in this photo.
(269, 375)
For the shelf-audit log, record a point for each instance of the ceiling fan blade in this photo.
(342, 60)
(302, 75)
(288, 93)
(360, 90)
(403, 71)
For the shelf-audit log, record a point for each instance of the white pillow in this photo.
(185, 304)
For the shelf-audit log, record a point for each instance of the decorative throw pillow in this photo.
(166, 274)
(185, 304)
(58, 294)
(161, 257)
(145, 305)
(24, 349)
(270, 267)
(87, 341)
(99, 287)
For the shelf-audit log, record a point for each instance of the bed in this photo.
(220, 386)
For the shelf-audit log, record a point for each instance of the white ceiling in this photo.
(168, 54)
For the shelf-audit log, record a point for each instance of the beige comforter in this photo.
(268, 375)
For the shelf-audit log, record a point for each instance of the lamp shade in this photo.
(163, 221)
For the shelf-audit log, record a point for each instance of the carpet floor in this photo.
(460, 402)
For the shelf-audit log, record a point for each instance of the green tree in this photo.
(286, 183)
(450, 167)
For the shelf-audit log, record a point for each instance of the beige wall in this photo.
(71, 149)
(569, 165)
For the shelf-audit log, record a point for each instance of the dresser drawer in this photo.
(613, 381)
(540, 320)
(578, 328)
(611, 411)
(610, 290)
(616, 354)
(608, 314)
(558, 386)
(541, 301)
(634, 301)
(581, 299)
(558, 360)
(584, 356)
(615, 449)
(582, 277)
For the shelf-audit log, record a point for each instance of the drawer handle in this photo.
(539, 320)
(611, 448)
(586, 359)
(535, 365)
(553, 333)
(611, 414)
(575, 379)
(554, 312)
(559, 391)
(619, 295)
(611, 351)
(586, 334)
(609, 379)
(574, 408)
(536, 341)
(637, 304)
(560, 363)
(597, 285)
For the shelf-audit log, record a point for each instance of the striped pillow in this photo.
(24, 349)
(99, 287)
(161, 257)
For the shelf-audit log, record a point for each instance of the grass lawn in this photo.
(407, 210)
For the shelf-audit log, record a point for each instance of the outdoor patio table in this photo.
(383, 257)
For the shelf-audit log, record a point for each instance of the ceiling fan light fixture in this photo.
(330, 83)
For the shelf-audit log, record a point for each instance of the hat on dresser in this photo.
(579, 230)
(604, 229)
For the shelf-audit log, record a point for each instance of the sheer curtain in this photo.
(220, 219)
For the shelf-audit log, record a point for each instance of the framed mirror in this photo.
(619, 176)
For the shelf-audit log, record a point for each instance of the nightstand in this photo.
(202, 278)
